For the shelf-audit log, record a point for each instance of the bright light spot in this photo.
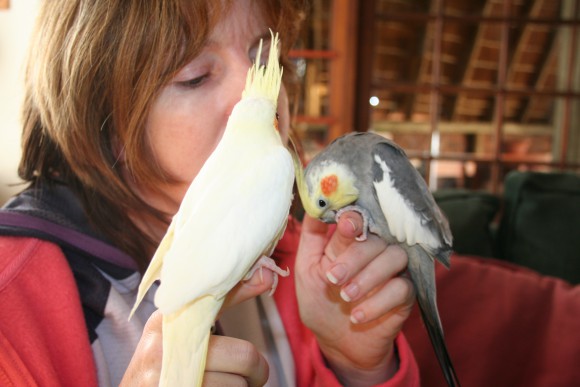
(374, 100)
(300, 67)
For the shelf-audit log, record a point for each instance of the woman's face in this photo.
(189, 116)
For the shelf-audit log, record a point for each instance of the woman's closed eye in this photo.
(194, 82)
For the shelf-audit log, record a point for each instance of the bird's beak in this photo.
(328, 216)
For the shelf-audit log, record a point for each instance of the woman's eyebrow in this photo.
(265, 36)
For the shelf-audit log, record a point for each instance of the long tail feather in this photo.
(422, 271)
(186, 336)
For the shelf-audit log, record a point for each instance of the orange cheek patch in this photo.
(329, 184)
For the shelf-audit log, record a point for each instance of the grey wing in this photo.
(412, 188)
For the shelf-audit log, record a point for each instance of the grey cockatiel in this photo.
(369, 174)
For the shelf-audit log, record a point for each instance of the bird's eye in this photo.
(321, 203)
(276, 125)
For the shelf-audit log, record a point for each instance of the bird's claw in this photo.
(365, 215)
(268, 263)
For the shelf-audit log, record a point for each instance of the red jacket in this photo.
(43, 336)
(504, 325)
(44, 341)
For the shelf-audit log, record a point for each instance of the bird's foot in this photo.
(365, 215)
(268, 263)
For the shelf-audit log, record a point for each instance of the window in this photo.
(471, 89)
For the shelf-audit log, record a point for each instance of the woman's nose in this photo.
(236, 82)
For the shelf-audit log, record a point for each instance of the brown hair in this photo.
(94, 69)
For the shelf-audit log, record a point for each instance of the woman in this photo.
(125, 100)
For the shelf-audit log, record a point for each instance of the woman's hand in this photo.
(352, 298)
(230, 361)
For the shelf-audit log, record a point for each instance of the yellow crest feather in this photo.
(264, 81)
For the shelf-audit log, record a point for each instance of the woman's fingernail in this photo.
(357, 317)
(354, 227)
(349, 292)
(336, 274)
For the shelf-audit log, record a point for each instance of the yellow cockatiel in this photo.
(230, 219)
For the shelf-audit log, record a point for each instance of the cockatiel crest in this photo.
(231, 218)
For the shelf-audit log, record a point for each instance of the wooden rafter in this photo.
(529, 54)
(483, 46)
(538, 107)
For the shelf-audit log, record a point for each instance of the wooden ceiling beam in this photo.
(524, 63)
(545, 80)
(480, 41)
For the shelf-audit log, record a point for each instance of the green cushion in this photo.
(540, 227)
(470, 215)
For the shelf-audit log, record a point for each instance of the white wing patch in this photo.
(404, 223)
